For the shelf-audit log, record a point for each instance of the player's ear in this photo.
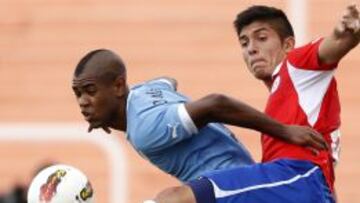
(120, 85)
(289, 44)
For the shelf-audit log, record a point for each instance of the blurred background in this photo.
(41, 41)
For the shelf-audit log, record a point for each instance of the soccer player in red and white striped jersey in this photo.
(302, 92)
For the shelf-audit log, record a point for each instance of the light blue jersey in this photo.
(161, 130)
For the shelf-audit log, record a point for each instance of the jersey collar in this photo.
(277, 69)
(127, 111)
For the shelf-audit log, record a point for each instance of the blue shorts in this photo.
(283, 180)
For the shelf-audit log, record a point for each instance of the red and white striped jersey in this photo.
(304, 92)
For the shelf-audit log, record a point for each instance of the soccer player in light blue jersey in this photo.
(183, 138)
(160, 129)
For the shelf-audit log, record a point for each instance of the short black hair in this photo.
(81, 65)
(111, 67)
(274, 16)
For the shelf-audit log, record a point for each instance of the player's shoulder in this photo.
(153, 88)
(306, 56)
(313, 44)
(138, 137)
(149, 133)
(158, 83)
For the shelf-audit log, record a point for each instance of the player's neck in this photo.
(119, 120)
(268, 83)
(122, 122)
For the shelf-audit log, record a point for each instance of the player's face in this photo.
(97, 101)
(262, 49)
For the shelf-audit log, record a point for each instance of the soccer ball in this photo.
(60, 184)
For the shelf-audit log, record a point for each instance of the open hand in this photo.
(350, 21)
(305, 136)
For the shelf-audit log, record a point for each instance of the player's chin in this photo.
(262, 75)
(95, 123)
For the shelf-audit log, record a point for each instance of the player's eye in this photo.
(262, 37)
(244, 43)
(77, 93)
(91, 90)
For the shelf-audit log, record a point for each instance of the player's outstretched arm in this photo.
(220, 108)
(344, 37)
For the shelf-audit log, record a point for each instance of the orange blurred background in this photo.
(41, 41)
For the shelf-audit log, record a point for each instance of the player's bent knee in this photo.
(181, 194)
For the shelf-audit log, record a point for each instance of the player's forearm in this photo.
(223, 109)
(335, 47)
(237, 113)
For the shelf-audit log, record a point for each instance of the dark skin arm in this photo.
(220, 108)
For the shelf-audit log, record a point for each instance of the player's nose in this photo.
(83, 101)
(252, 48)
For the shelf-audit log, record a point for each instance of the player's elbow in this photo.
(218, 103)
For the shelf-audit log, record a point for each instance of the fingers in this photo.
(310, 139)
(350, 20)
(352, 8)
(352, 11)
(319, 140)
(313, 150)
(316, 142)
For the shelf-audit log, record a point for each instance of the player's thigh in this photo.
(180, 194)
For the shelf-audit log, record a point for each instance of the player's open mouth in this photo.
(87, 115)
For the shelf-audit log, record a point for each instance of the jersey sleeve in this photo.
(161, 128)
(157, 118)
(161, 83)
(310, 79)
(306, 57)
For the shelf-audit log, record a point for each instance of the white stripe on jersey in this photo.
(311, 87)
(219, 193)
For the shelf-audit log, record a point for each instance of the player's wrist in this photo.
(283, 131)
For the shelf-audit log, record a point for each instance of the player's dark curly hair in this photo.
(275, 17)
